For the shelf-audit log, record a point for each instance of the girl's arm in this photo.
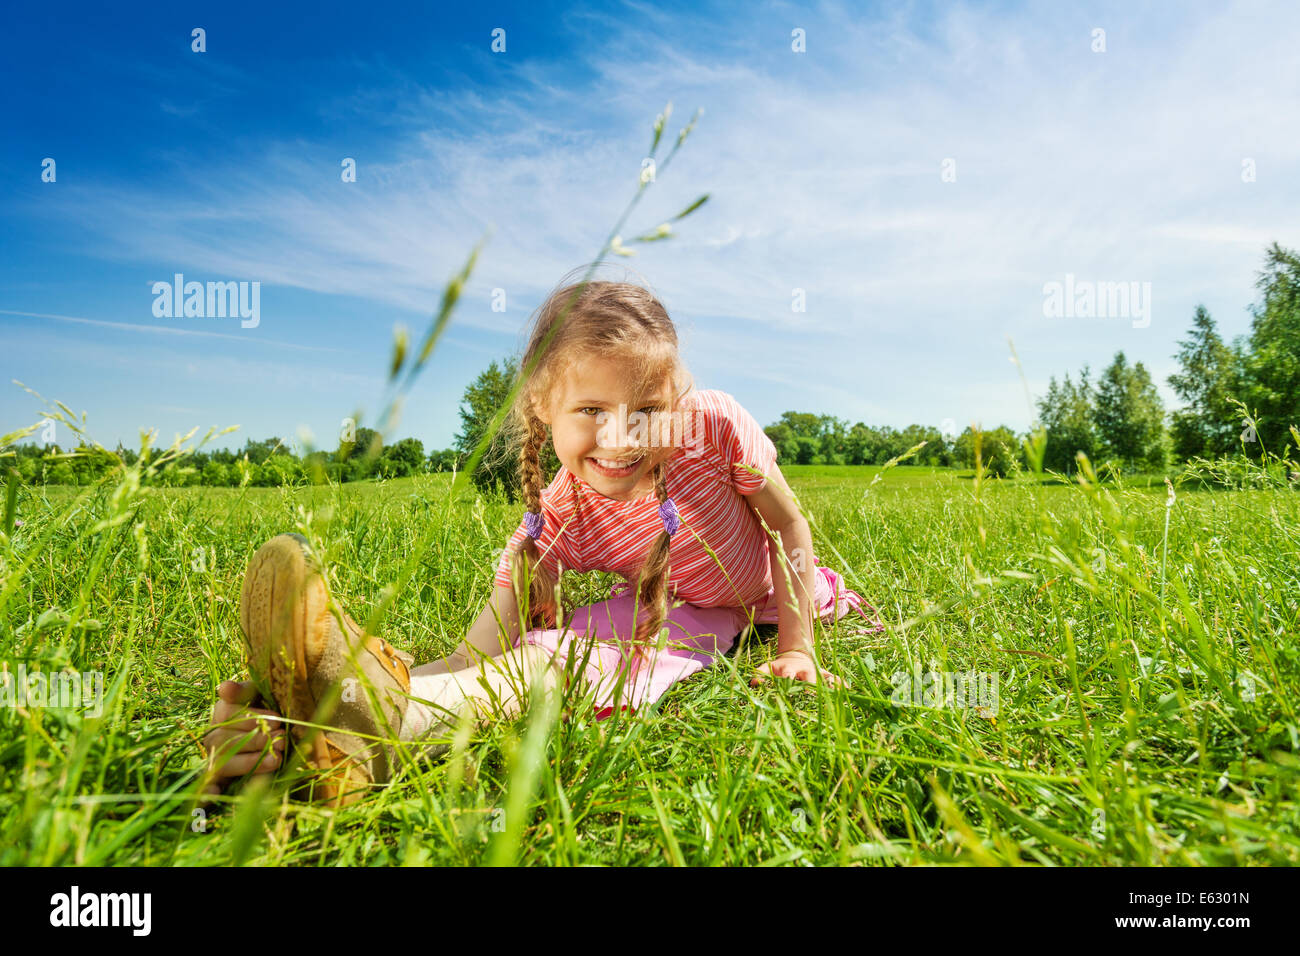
(484, 637)
(776, 503)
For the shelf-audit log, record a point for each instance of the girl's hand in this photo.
(236, 748)
(795, 664)
(445, 665)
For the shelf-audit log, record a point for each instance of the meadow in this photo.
(1143, 648)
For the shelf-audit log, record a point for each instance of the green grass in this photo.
(1130, 728)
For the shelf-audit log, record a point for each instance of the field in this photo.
(1144, 659)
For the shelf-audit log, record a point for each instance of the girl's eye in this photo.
(649, 409)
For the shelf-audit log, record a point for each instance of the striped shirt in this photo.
(707, 478)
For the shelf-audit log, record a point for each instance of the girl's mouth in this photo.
(609, 467)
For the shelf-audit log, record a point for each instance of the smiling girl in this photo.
(677, 509)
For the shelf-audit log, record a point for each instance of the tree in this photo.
(935, 451)
(245, 471)
(831, 444)
(445, 460)
(804, 438)
(92, 463)
(215, 474)
(1273, 359)
(856, 444)
(361, 455)
(805, 450)
(1066, 412)
(320, 466)
(883, 443)
(998, 450)
(31, 469)
(498, 469)
(259, 451)
(803, 424)
(483, 397)
(278, 470)
(1129, 415)
(403, 459)
(1207, 424)
(783, 438)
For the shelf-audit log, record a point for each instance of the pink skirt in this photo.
(697, 638)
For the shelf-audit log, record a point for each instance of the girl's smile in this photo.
(615, 469)
(621, 484)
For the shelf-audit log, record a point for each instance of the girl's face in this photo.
(594, 428)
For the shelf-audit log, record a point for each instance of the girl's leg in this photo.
(493, 690)
(601, 632)
(598, 632)
(495, 686)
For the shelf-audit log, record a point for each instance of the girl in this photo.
(677, 509)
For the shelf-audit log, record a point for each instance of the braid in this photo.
(577, 504)
(652, 593)
(541, 588)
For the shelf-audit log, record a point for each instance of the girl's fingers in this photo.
(223, 742)
(234, 699)
(236, 696)
(251, 723)
(236, 692)
(242, 763)
(270, 762)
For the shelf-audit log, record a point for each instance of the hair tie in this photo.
(668, 511)
(533, 523)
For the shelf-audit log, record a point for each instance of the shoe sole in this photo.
(276, 608)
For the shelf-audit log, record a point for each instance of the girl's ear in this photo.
(541, 412)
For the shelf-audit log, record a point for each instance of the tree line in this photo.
(265, 463)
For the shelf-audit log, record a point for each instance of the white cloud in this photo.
(249, 338)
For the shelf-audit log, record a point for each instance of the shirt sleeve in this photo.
(553, 546)
(502, 578)
(743, 446)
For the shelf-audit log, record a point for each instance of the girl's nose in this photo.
(625, 433)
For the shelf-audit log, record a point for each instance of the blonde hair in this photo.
(612, 321)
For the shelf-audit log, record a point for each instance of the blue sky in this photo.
(825, 169)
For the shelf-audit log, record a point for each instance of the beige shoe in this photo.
(296, 647)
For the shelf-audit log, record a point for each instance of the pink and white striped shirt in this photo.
(707, 480)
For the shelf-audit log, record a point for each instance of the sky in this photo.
(893, 188)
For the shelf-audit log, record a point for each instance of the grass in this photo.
(1128, 729)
